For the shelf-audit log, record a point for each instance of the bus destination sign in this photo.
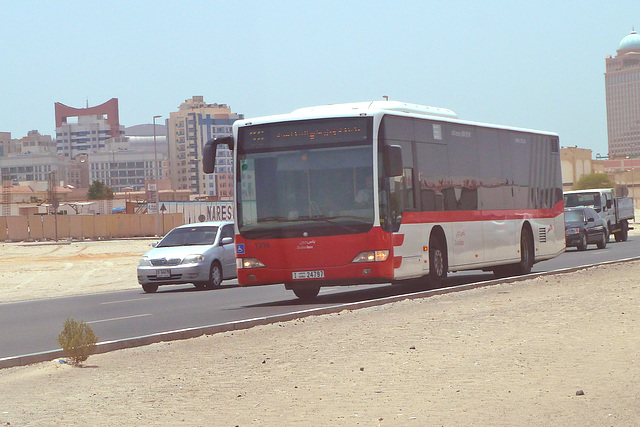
(304, 133)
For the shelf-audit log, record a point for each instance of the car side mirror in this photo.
(154, 244)
(226, 241)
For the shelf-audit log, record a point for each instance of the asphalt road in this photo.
(31, 327)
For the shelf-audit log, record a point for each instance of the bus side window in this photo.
(427, 200)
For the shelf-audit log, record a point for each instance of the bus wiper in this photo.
(272, 218)
(329, 220)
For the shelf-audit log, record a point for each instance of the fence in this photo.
(79, 227)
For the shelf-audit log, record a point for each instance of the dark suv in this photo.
(583, 226)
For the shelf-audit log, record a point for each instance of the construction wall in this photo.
(79, 227)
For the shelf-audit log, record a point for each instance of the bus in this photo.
(387, 191)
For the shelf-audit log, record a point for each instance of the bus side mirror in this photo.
(608, 203)
(209, 152)
(393, 160)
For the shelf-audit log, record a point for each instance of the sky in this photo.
(530, 64)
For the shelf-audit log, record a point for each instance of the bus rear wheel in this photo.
(527, 252)
(307, 294)
(527, 255)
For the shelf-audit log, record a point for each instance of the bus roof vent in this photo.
(406, 107)
(397, 106)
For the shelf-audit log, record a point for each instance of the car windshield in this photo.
(189, 236)
(592, 200)
(574, 216)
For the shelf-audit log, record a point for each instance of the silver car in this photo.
(202, 254)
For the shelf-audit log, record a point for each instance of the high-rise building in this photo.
(90, 129)
(188, 129)
(622, 84)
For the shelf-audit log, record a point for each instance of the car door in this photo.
(593, 227)
(228, 252)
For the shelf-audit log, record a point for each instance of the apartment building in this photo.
(188, 129)
(34, 143)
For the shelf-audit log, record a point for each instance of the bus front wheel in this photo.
(306, 294)
(437, 260)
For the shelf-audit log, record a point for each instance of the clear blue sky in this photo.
(533, 64)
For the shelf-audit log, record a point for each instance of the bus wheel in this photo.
(150, 288)
(306, 294)
(527, 253)
(437, 261)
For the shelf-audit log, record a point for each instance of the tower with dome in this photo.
(622, 84)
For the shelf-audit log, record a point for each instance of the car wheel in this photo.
(603, 241)
(582, 245)
(150, 288)
(624, 233)
(215, 276)
(306, 294)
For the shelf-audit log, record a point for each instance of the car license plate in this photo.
(315, 274)
(163, 274)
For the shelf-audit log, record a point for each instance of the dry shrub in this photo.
(77, 340)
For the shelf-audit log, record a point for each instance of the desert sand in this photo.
(554, 350)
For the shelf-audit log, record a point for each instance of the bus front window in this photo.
(323, 191)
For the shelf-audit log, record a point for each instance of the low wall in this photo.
(79, 227)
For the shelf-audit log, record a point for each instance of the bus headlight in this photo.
(248, 263)
(371, 256)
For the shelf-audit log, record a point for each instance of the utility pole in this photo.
(157, 177)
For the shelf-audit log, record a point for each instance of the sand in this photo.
(554, 350)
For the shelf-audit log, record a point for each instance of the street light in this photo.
(157, 175)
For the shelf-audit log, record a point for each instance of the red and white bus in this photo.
(386, 191)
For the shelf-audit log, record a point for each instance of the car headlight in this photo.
(248, 263)
(371, 256)
(193, 259)
(573, 230)
(144, 262)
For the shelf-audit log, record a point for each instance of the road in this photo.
(32, 327)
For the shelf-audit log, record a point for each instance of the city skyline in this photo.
(538, 66)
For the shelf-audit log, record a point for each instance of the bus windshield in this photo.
(315, 189)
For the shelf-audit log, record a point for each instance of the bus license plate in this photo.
(301, 275)
(163, 274)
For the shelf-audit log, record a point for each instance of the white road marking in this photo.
(119, 318)
(123, 300)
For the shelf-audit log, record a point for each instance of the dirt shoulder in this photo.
(48, 270)
(512, 354)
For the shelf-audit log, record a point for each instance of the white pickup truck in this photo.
(616, 211)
